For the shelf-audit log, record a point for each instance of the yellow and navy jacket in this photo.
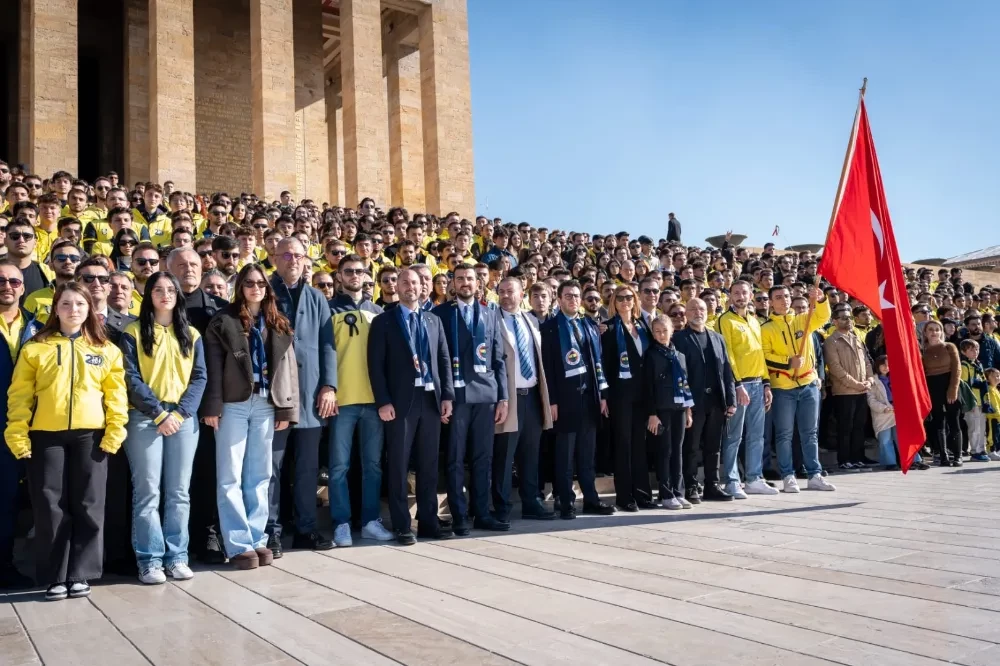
(973, 375)
(784, 336)
(157, 225)
(62, 383)
(744, 346)
(98, 231)
(43, 243)
(351, 323)
(39, 303)
(166, 382)
(991, 405)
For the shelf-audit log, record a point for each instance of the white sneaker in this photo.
(376, 530)
(994, 456)
(734, 489)
(152, 576)
(817, 482)
(671, 504)
(180, 571)
(342, 536)
(684, 503)
(759, 487)
(791, 485)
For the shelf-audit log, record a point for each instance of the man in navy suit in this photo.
(571, 355)
(480, 379)
(714, 392)
(408, 370)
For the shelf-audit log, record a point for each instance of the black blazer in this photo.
(564, 391)
(390, 362)
(722, 383)
(621, 390)
(115, 323)
(657, 381)
(486, 387)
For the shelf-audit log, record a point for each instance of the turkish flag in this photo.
(860, 257)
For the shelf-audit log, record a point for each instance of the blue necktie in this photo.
(522, 349)
(467, 316)
(415, 332)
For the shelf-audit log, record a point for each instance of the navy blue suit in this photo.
(471, 425)
(418, 413)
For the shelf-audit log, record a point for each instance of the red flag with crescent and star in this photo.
(860, 257)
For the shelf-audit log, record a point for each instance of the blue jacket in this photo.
(989, 349)
(487, 387)
(495, 253)
(314, 349)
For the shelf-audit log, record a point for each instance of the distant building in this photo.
(987, 259)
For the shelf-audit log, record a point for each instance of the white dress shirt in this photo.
(519, 381)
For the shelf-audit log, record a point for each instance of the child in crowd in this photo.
(991, 409)
(884, 419)
(972, 374)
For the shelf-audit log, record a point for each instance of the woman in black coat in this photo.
(623, 345)
(667, 402)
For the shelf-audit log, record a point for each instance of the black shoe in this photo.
(920, 465)
(213, 554)
(957, 462)
(312, 541)
(713, 493)
(599, 509)
(12, 579)
(647, 504)
(490, 524)
(800, 473)
(891, 468)
(500, 519)
(631, 507)
(460, 529)
(537, 513)
(438, 533)
(861, 466)
(274, 545)
(568, 514)
(405, 538)
(79, 590)
(692, 496)
(444, 523)
(869, 462)
(323, 478)
(770, 475)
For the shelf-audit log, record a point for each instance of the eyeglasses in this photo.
(388, 278)
(229, 255)
(650, 290)
(353, 271)
(34, 186)
(143, 261)
(13, 282)
(293, 256)
(20, 235)
(259, 284)
(337, 253)
(128, 242)
(164, 291)
(676, 315)
(89, 279)
(761, 299)
(621, 298)
(72, 258)
(204, 253)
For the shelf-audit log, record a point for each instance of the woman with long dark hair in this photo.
(122, 247)
(943, 367)
(253, 390)
(67, 410)
(166, 376)
(623, 346)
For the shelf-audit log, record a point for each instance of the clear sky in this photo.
(600, 116)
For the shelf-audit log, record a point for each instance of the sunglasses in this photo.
(260, 226)
(338, 253)
(13, 282)
(229, 255)
(621, 298)
(20, 235)
(676, 315)
(89, 279)
(324, 285)
(651, 290)
(204, 253)
(389, 278)
(128, 242)
(72, 258)
(259, 284)
(143, 261)
(353, 271)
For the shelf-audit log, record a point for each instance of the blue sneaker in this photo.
(980, 457)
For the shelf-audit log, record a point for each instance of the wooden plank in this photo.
(15, 647)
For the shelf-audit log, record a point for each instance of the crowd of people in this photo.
(183, 372)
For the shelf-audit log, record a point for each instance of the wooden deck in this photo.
(888, 571)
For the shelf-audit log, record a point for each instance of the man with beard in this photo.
(387, 279)
(64, 258)
(145, 262)
(226, 253)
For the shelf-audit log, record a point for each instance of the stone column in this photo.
(48, 133)
(335, 141)
(447, 108)
(136, 91)
(171, 93)
(272, 65)
(366, 142)
(312, 149)
(406, 142)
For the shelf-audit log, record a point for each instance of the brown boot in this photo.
(264, 556)
(247, 560)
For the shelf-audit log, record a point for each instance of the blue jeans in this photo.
(243, 470)
(796, 408)
(349, 417)
(161, 466)
(753, 416)
(887, 447)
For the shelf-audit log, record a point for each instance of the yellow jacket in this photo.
(743, 344)
(62, 384)
(784, 336)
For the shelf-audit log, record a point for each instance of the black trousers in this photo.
(852, 413)
(521, 446)
(419, 431)
(68, 476)
(945, 429)
(118, 552)
(10, 475)
(305, 443)
(628, 430)
(705, 434)
(471, 430)
(204, 519)
(669, 446)
(582, 444)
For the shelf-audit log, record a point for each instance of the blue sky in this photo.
(600, 116)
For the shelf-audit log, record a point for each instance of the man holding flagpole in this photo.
(861, 258)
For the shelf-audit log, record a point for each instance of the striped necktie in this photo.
(522, 349)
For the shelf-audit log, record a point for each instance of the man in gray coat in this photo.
(309, 314)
